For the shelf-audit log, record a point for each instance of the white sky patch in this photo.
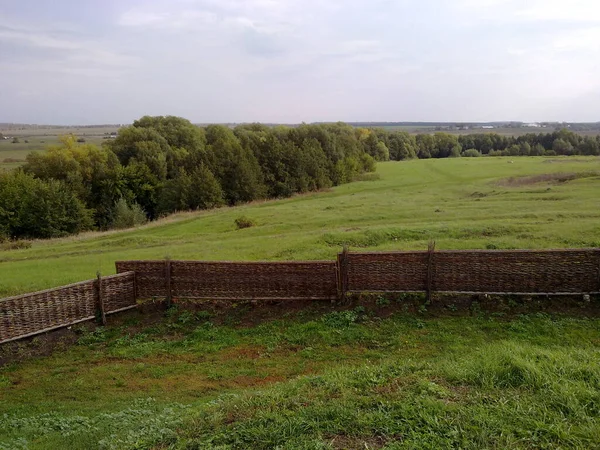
(294, 60)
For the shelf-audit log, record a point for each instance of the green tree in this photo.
(235, 167)
(128, 215)
(92, 173)
(425, 145)
(562, 147)
(402, 146)
(34, 208)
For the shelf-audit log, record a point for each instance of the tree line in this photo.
(402, 145)
(160, 165)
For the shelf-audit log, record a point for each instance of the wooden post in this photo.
(430, 252)
(169, 296)
(342, 268)
(598, 253)
(135, 287)
(99, 300)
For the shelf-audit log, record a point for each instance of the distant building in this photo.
(487, 127)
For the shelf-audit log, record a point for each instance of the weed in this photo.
(382, 301)
(343, 319)
(96, 336)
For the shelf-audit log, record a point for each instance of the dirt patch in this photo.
(552, 178)
(43, 344)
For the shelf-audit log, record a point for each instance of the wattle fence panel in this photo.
(553, 272)
(316, 280)
(118, 292)
(30, 314)
(386, 272)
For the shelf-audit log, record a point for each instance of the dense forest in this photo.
(160, 165)
(402, 145)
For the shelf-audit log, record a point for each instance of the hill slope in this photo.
(461, 203)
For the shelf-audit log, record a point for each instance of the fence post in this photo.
(430, 252)
(342, 272)
(99, 300)
(169, 296)
(598, 253)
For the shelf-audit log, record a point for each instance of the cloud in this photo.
(52, 51)
(538, 11)
(292, 60)
(167, 20)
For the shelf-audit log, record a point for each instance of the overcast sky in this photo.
(112, 61)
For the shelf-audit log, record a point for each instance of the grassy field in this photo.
(315, 379)
(13, 155)
(378, 373)
(465, 203)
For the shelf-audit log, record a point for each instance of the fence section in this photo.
(473, 271)
(386, 272)
(118, 292)
(29, 314)
(315, 280)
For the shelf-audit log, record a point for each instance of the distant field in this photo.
(39, 139)
(502, 131)
(464, 203)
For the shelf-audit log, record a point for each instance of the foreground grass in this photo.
(343, 379)
(461, 203)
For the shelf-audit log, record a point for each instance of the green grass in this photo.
(371, 376)
(458, 202)
(339, 380)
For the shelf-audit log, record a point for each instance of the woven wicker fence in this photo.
(29, 314)
(490, 272)
(316, 280)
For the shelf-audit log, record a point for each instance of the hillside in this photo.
(382, 372)
(461, 203)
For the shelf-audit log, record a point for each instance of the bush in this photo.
(244, 222)
(471, 153)
(128, 215)
(15, 140)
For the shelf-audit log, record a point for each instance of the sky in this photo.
(291, 61)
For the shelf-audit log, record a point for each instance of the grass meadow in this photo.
(464, 203)
(356, 376)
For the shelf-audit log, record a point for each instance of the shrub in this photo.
(128, 215)
(15, 140)
(244, 222)
(471, 153)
